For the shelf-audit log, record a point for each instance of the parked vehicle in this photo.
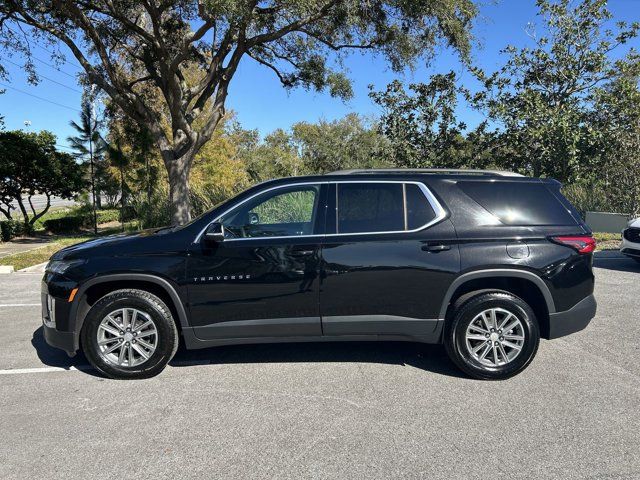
(631, 240)
(484, 262)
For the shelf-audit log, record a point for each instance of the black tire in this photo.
(466, 310)
(167, 333)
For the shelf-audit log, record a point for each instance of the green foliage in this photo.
(542, 96)
(64, 225)
(422, 130)
(30, 165)
(615, 139)
(349, 142)
(10, 229)
(293, 207)
(140, 53)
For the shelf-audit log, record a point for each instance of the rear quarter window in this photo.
(519, 203)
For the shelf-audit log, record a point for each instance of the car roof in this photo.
(413, 175)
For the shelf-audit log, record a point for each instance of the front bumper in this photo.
(63, 340)
(629, 246)
(574, 319)
(56, 313)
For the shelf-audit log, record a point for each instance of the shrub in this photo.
(10, 229)
(128, 213)
(68, 224)
(106, 216)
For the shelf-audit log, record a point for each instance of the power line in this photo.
(53, 66)
(39, 98)
(65, 147)
(45, 77)
(45, 48)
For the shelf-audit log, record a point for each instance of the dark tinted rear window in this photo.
(519, 203)
(375, 207)
(419, 211)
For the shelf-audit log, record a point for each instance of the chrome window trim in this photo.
(438, 209)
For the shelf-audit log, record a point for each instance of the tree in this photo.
(422, 130)
(615, 126)
(275, 156)
(542, 95)
(88, 144)
(127, 48)
(30, 165)
(349, 142)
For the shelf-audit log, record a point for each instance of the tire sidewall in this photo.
(159, 313)
(465, 315)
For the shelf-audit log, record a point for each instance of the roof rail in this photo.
(441, 171)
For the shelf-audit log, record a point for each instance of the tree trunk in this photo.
(178, 170)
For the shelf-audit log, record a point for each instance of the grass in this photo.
(607, 241)
(41, 254)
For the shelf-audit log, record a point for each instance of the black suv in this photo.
(484, 262)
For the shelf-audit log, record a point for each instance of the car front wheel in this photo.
(492, 336)
(129, 334)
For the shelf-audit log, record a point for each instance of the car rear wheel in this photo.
(492, 336)
(129, 334)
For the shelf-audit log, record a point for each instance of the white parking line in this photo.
(19, 305)
(17, 371)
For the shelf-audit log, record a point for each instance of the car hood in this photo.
(112, 244)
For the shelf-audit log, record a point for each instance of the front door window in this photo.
(284, 212)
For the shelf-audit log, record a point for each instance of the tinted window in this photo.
(419, 211)
(281, 212)
(370, 207)
(519, 203)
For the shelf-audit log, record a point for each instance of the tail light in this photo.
(583, 244)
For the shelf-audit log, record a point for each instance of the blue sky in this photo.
(258, 98)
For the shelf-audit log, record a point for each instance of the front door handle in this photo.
(436, 248)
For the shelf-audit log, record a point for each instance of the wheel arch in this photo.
(522, 283)
(94, 289)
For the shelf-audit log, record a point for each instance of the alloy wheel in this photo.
(127, 337)
(495, 337)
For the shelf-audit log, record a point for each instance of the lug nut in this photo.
(127, 344)
(501, 338)
(121, 332)
(486, 335)
(133, 341)
(499, 331)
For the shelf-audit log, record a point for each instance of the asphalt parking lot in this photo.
(388, 410)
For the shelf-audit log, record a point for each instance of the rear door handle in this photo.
(302, 253)
(436, 248)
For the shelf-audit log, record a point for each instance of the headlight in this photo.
(61, 266)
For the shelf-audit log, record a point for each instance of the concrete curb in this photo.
(6, 269)
(39, 268)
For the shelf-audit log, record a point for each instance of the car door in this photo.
(388, 257)
(262, 280)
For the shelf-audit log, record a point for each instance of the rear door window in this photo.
(519, 203)
(381, 207)
(419, 210)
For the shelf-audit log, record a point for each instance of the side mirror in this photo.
(254, 218)
(214, 232)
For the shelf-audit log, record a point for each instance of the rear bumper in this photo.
(574, 319)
